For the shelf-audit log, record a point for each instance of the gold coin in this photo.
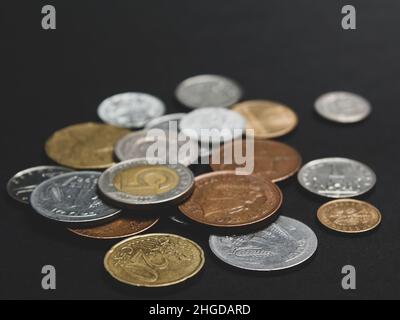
(154, 260)
(85, 146)
(349, 216)
(268, 119)
(146, 180)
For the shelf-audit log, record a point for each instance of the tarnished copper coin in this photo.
(124, 227)
(224, 199)
(273, 160)
(349, 216)
(268, 119)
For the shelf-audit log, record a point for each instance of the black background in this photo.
(285, 50)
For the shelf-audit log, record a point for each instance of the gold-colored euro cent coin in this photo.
(154, 260)
(349, 216)
(268, 119)
(85, 146)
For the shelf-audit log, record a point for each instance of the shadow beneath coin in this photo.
(336, 125)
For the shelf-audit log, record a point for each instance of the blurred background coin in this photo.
(21, 186)
(85, 146)
(268, 119)
(164, 122)
(337, 178)
(284, 244)
(131, 110)
(343, 107)
(208, 91)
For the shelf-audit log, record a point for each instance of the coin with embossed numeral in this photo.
(284, 244)
(72, 198)
(154, 260)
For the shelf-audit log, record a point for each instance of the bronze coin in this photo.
(124, 227)
(273, 160)
(224, 199)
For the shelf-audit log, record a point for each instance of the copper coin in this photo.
(273, 160)
(268, 119)
(224, 199)
(124, 227)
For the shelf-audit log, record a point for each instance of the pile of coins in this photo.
(240, 212)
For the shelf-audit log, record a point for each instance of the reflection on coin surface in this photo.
(343, 107)
(226, 125)
(72, 198)
(349, 216)
(154, 260)
(137, 145)
(268, 119)
(138, 183)
(131, 110)
(273, 160)
(123, 227)
(85, 146)
(284, 244)
(21, 186)
(164, 122)
(223, 199)
(337, 178)
(208, 91)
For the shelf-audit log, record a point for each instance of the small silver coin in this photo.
(169, 148)
(167, 122)
(213, 125)
(208, 91)
(147, 179)
(343, 107)
(284, 244)
(337, 178)
(131, 110)
(72, 198)
(21, 186)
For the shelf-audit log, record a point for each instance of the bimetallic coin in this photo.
(273, 160)
(284, 244)
(72, 198)
(224, 199)
(343, 107)
(208, 91)
(267, 119)
(165, 122)
(213, 125)
(21, 186)
(138, 183)
(169, 148)
(85, 146)
(349, 216)
(337, 178)
(123, 227)
(154, 260)
(131, 110)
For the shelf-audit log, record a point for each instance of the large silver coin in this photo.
(337, 178)
(213, 124)
(285, 244)
(21, 186)
(208, 91)
(168, 148)
(72, 198)
(140, 184)
(167, 122)
(131, 110)
(343, 107)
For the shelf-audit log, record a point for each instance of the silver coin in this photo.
(168, 148)
(131, 110)
(337, 178)
(284, 244)
(212, 125)
(147, 180)
(72, 198)
(21, 186)
(343, 107)
(164, 122)
(208, 91)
